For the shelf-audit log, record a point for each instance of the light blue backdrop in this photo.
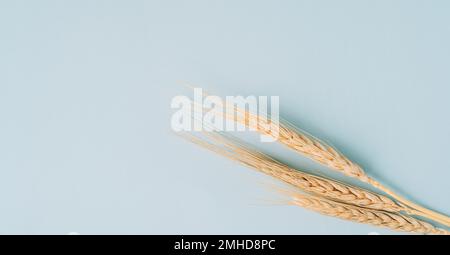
(85, 90)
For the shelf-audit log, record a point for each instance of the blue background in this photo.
(85, 91)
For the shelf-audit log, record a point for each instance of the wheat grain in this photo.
(332, 198)
(319, 151)
(390, 220)
(236, 150)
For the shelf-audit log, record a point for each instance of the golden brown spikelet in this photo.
(237, 151)
(379, 218)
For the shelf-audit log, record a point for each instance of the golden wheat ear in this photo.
(242, 153)
(379, 218)
(317, 150)
(394, 221)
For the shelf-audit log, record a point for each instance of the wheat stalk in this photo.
(319, 151)
(390, 220)
(237, 151)
(357, 204)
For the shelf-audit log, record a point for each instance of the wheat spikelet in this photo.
(390, 220)
(332, 198)
(319, 151)
(300, 142)
(235, 150)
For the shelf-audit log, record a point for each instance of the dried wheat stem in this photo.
(390, 220)
(417, 209)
